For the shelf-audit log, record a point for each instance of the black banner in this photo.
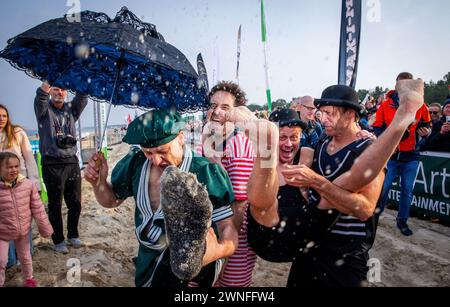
(350, 38)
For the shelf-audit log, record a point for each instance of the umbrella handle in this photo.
(99, 151)
(105, 126)
(98, 164)
(119, 68)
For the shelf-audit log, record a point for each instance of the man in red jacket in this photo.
(405, 160)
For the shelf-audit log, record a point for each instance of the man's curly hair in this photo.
(233, 89)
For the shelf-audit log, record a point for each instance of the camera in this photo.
(447, 119)
(65, 141)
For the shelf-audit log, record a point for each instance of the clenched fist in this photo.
(411, 94)
(97, 169)
(46, 87)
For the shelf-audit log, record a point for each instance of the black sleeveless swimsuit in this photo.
(336, 253)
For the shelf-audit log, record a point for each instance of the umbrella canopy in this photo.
(121, 60)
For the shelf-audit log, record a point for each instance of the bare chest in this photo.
(154, 187)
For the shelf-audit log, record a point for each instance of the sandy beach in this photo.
(110, 245)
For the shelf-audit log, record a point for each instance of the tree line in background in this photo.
(434, 92)
(437, 92)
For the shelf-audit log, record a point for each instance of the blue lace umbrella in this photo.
(122, 60)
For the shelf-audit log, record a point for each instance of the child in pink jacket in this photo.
(19, 203)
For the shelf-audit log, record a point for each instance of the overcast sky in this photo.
(303, 43)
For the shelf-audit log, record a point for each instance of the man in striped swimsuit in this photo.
(236, 156)
(340, 227)
(140, 174)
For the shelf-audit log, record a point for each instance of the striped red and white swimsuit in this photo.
(238, 161)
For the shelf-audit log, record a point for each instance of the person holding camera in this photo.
(439, 139)
(405, 160)
(60, 169)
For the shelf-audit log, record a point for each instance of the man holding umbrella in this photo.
(60, 169)
(174, 211)
(125, 61)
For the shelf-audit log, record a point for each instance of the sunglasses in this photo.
(434, 112)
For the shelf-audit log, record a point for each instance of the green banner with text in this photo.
(431, 187)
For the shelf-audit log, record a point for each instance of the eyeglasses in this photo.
(434, 112)
(309, 108)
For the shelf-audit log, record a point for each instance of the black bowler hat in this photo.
(340, 96)
(287, 117)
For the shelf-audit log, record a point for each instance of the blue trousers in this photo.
(407, 172)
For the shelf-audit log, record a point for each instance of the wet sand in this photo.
(110, 244)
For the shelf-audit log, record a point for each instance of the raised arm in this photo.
(262, 188)
(41, 100)
(263, 183)
(78, 105)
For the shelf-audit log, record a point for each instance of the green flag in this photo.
(263, 23)
(44, 195)
(266, 66)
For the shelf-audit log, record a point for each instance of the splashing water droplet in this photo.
(368, 173)
(310, 244)
(135, 98)
(141, 38)
(340, 262)
(82, 51)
